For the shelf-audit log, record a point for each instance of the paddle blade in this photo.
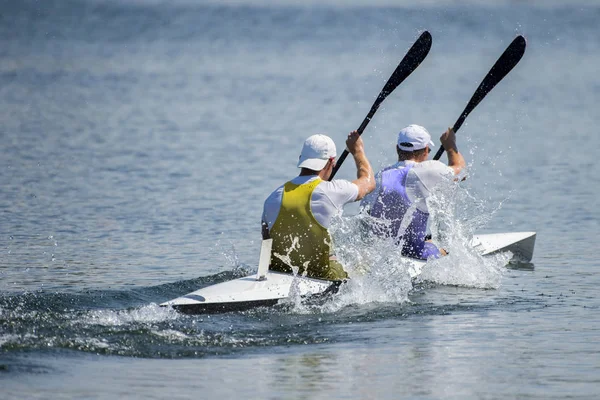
(413, 58)
(507, 61)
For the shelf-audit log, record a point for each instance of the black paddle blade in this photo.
(413, 58)
(507, 61)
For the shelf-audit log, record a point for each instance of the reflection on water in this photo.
(522, 266)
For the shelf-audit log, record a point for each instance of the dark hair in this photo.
(405, 155)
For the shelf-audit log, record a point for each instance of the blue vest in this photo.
(391, 206)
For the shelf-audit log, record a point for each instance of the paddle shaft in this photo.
(507, 61)
(360, 130)
(413, 58)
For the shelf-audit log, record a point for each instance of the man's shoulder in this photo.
(275, 194)
(339, 191)
(397, 165)
(433, 166)
(337, 185)
(429, 164)
(430, 173)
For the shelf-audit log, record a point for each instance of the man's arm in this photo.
(455, 160)
(364, 173)
(367, 202)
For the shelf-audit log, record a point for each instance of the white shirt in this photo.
(422, 178)
(327, 199)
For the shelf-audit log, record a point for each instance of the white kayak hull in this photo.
(252, 291)
(247, 292)
(521, 244)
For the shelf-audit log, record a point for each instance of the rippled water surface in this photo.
(140, 138)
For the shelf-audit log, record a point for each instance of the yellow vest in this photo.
(299, 240)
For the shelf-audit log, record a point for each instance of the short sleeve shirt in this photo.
(420, 181)
(328, 199)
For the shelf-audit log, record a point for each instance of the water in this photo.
(139, 140)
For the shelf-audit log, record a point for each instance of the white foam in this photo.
(378, 272)
(150, 313)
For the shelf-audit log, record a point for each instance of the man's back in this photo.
(297, 215)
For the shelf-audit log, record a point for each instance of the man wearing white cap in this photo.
(399, 200)
(297, 215)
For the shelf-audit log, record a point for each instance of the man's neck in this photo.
(408, 159)
(308, 172)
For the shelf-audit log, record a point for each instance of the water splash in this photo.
(380, 274)
(151, 313)
(377, 271)
(455, 216)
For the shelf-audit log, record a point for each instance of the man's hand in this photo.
(448, 140)
(354, 143)
(364, 174)
(455, 160)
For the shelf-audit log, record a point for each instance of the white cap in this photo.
(414, 137)
(317, 150)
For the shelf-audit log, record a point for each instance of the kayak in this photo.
(267, 288)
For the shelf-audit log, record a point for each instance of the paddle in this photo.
(415, 55)
(511, 56)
